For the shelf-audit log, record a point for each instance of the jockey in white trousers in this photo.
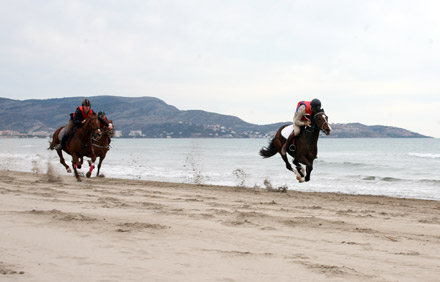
(303, 113)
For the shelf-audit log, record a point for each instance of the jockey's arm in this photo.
(103, 121)
(77, 119)
(299, 115)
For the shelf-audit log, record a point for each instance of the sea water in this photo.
(392, 167)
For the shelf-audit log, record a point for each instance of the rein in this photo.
(109, 134)
(102, 147)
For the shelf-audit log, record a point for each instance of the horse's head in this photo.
(109, 130)
(93, 123)
(321, 121)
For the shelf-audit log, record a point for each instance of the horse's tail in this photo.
(52, 144)
(269, 151)
(55, 140)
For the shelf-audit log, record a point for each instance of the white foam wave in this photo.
(425, 155)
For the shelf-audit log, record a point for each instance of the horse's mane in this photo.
(313, 119)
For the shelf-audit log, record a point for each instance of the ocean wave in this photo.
(392, 179)
(431, 181)
(405, 181)
(343, 164)
(425, 155)
(369, 178)
(381, 178)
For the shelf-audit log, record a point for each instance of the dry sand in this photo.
(55, 229)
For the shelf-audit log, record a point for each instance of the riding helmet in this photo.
(86, 103)
(101, 113)
(315, 103)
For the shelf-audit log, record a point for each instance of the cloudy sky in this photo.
(374, 62)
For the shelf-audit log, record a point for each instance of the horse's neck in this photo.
(308, 138)
(103, 141)
(84, 133)
(315, 136)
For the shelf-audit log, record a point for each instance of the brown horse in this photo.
(100, 147)
(78, 144)
(306, 146)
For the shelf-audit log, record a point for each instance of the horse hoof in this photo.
(69, 171)
(79, 180)
(298, 176)
(88, 174)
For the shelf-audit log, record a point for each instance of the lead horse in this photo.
(78, 144)
(306, 146)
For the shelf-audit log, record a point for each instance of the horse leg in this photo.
(309, 169)
(299, 171)
(92, 165)
(62, 161)
(75, 165)
(286, 161)
(101, 158)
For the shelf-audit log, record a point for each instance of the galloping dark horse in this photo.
(78, 145)
(306, 145)
(100, 147)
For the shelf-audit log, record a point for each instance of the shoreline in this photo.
(109, 229)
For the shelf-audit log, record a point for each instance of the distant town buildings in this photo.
(136, 133)
(176, 130)
(14, 133)
(209, 131)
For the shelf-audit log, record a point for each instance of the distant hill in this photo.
(156, 119)
(358, 130)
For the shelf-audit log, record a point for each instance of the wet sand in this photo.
(55, 229)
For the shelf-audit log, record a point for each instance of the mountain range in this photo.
(153, 118)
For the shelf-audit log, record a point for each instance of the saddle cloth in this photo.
(286, 131)
(61, 133)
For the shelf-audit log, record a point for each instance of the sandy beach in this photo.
(104, 229)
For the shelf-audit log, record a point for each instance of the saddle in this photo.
(286, 131)
(66, 135)
(61, 133)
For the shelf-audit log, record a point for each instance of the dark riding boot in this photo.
(288, 143)
(67, 136)
(63, 141)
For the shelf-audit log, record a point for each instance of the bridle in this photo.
(315, 126)
(108, 131)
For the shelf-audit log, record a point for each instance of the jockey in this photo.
(101, 114)
(77, 120)
(304, 110)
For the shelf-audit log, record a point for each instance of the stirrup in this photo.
(292, 148)
(58, 147)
